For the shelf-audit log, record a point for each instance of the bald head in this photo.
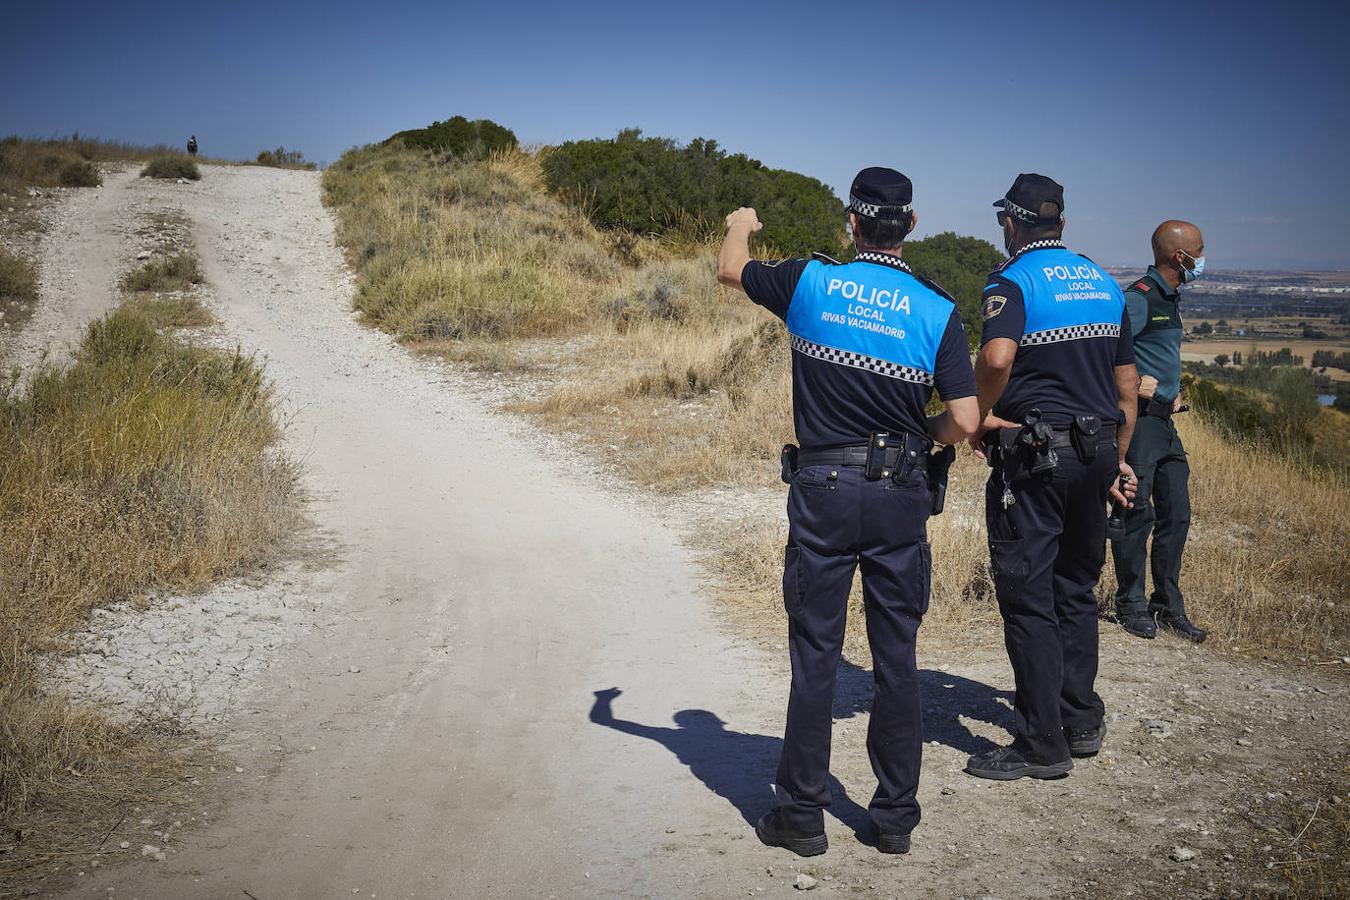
(1175, 235)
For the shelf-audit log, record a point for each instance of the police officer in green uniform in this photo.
(1163, 504)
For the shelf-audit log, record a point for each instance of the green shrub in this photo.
(80, 173)
(459, 137)
(18, 277)
(171, 167)
(177, 272)
(282, 158)
(655, 185)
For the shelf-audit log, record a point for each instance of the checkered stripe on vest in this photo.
(858, 361)
(1070, 333)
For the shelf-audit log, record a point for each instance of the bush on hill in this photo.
(281, 158)
(459, 137)
(171, 167)
(79, 173)
(656, 185)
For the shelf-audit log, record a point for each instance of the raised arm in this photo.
(735, 252)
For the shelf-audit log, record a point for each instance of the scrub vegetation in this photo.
(62, 162)
(172, 167)
(143, 465)
(622, 336)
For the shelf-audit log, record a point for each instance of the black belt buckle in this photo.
(874, 467)
(1083, 434)
(788, 460)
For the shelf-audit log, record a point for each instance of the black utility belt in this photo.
(1032, 448)
(885, 455)
(856, 455)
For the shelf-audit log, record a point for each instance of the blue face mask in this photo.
(1189, 275)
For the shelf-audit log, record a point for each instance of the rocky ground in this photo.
(410, 713)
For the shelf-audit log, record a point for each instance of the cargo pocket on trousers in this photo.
(925, 574)
(794, 590)
(1008, 565)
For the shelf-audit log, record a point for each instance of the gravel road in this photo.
(417, 719)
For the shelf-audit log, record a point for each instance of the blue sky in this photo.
(1232, 115)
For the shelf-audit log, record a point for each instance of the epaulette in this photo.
(932, 285)
(825, 259)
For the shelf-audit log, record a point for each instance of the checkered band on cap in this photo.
(884, 259)
(873, 211)
(858, 361)
(1018, 212)
(1070, 333)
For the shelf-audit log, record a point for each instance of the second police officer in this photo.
(870, 341)
(1056, 367)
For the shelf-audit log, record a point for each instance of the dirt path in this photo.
(431, 731)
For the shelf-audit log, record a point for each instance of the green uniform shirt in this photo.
(1156, 323)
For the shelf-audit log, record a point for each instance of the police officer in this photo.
(1057, 370)
(870, 341)
(1156, 454)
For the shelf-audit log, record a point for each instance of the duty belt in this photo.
(856, 455)
(1062, 438)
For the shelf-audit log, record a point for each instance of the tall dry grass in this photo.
(145, 464)
(683, 385)
(69, 161)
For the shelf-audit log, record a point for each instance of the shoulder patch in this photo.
(826, 259)
(1143, 286)
(993, 306)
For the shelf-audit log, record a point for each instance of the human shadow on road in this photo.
(734, 765)
(946, 698)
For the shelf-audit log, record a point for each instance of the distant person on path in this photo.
(1057, 385)
(192, 145)
(1159, 461)
(870, 341)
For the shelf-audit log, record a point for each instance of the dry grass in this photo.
(683, 385)
(70, 162)
(144, 465)
(18, 277)
(177, 271)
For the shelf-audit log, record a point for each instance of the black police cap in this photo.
(881, 193)
(1028, 193)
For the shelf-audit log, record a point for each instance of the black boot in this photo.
(771, 831)
(1139, 624)
(1086, 743)
(1007, 763)
(1182, 626)
(892, 842)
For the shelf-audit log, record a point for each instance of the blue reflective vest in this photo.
(876, 317)
(1066, 295)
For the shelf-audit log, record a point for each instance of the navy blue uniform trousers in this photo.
(1046, 553)
(838, 521)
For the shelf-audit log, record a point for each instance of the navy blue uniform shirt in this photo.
(1072, 329)
(870, 341)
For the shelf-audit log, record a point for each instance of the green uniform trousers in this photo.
(1162, 508)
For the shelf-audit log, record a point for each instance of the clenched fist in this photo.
(745, 216)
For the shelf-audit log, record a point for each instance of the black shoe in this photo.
(1182, 626)
(892, 842)
(1139, 624)
(1007, 764)
(1086, 743)
(771, 832)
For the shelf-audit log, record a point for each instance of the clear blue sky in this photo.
(1233, 115)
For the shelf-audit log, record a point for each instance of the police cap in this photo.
(1027, 197)
(881, 193)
